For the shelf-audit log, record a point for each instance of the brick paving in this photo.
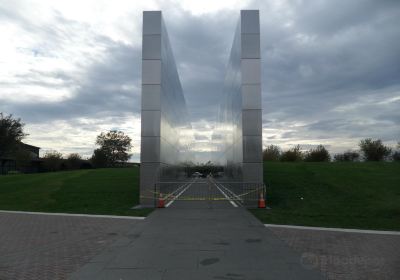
(343, 255)
(51, 247)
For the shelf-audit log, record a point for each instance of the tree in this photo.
(271, 153)
(293, 154)
(74, 161)
(115, 145)
(99, 159)
(52, 160)
(347, 156)
(11, 134)
(320, 153)
(374, 150)
(23, 159)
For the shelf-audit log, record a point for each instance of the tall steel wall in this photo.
(238, 133)
(166, 137)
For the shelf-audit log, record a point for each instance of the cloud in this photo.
(330, 68)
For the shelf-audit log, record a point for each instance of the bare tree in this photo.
(271, 153)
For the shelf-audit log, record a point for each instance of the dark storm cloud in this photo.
(317, 56)
(333, 53)
(111, 87)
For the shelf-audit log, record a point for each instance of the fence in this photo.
(244, 194)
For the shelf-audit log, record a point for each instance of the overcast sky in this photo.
(330, 69)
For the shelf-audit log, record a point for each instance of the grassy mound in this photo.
(96, 191)
(349, 195)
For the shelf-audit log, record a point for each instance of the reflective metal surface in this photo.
(238, 134)
(166, 137)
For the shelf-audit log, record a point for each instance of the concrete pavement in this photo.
(198, 240)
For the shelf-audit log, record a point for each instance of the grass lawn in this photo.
(95, 191)
(349, 195)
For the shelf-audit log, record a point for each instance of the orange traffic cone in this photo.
(261, 201)
(161, 202)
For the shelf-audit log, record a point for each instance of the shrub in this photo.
(293, 154)
(374, 150)
(271, 153)
(320, 153)
(74, 161)
(52, 161)
(347, 156)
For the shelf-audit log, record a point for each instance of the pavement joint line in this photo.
(179, 194)
(349, 230)
(73, 215)
(226, 196)
(237, 198)
(177, 190)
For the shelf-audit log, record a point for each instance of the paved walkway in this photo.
(51, 247)
(199, 240)
(41, 247)
(346, 255)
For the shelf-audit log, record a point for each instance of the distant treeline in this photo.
(369, 150)
(54, 161)
(15, 157)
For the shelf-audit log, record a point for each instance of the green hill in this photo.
(350, 195)
(95, 191)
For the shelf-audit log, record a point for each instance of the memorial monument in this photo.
(167, 137)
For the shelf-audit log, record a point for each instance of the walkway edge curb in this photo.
(74, 215)
(349, 230)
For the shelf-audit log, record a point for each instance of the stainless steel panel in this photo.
(251, 97)
(151, 123)
(238, 132)
(250, 45)
(151, 97)
(252, 172)
(150, 149)
(151, 48)
(151, 71)
(252, 149)
(252, 122)
(250, 21)
(151, 22)
(251, 71)
(148, 178)
(148, 174)
(163, 106)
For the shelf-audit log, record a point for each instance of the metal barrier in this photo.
(245, 194)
